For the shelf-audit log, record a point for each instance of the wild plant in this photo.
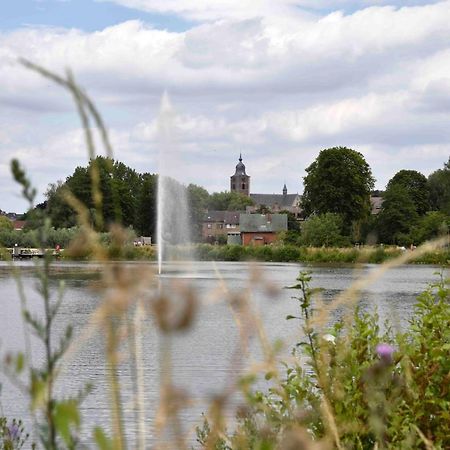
(347, 385)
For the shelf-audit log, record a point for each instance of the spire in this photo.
(240, 168)
(284, 189)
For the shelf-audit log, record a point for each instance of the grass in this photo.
(356, 385)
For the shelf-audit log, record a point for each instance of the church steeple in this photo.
(240, 167)
(240, 181)
(284, 189)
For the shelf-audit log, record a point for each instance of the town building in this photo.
(261, 229)
(240, 182)
(217, 225)
(277, 202)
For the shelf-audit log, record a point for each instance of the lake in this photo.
(203, 358)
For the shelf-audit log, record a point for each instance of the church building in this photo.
(240, 182)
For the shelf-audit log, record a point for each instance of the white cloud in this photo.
(202, 10)
(254, 77)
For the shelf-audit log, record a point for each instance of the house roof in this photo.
(281, 200)
(231, 217)
(263, 222)
(19, 224)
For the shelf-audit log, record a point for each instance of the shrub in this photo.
(362, 388)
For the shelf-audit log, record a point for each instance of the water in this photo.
(202, 357)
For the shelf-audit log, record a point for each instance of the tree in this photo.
(198, 200)
(339, 181)
(145, 216)
(439, 187)
(5, 223)
(229, 201)
(293, 224)
(430, 226)
(118, 185)
(61, 214)
(397, 216)
(416, 186)
(324, 230)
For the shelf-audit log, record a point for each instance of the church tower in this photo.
(240, 181)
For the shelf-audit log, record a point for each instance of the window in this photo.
(243, 185)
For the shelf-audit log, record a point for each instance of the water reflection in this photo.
(201, 356)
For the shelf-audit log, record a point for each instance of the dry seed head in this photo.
(177, 312)
(296, 438)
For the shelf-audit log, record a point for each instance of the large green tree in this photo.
(416, 186)
(439, 186)
(118, 185)
(145, 216)
(339, 181)
(397, 216)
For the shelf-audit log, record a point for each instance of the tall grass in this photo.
(352, 386)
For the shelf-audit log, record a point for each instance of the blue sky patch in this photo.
(86, 15)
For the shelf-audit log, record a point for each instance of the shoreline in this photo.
(276, 253)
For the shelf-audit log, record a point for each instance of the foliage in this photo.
(5, 224)
(12, 435)
(324, 230)
(119, 188)
(432, 225)
(439, 187)
(293, 223)
(362, 388)
(198, 198)
(338, 181)
(145, 214)
(228, 201)
(358, 388)
(416, 187)
(397, 216)
(59, 420)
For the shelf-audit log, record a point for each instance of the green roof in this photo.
(263, 222)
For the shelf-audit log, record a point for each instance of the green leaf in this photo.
(20, 362)
(103, 442)
(66, 415)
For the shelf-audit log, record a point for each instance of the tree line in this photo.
(336, 201)
(127, 197)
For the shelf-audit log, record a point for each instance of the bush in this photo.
(362, 388)
(324, 230)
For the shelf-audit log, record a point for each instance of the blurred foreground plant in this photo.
(360, 388)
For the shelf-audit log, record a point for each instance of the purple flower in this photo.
(13, 432)
(385, 352)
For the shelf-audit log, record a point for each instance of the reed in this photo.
(353, 385)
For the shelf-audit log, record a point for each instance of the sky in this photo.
(278, 80)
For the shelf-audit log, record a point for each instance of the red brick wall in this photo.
(258, 238)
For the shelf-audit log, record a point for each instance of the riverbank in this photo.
(289, 253)
(276, 253)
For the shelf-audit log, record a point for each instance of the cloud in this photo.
(278, 85)
(211, 10)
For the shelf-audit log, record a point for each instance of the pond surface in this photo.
(203, 358)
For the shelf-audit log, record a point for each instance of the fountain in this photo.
(173, 227)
